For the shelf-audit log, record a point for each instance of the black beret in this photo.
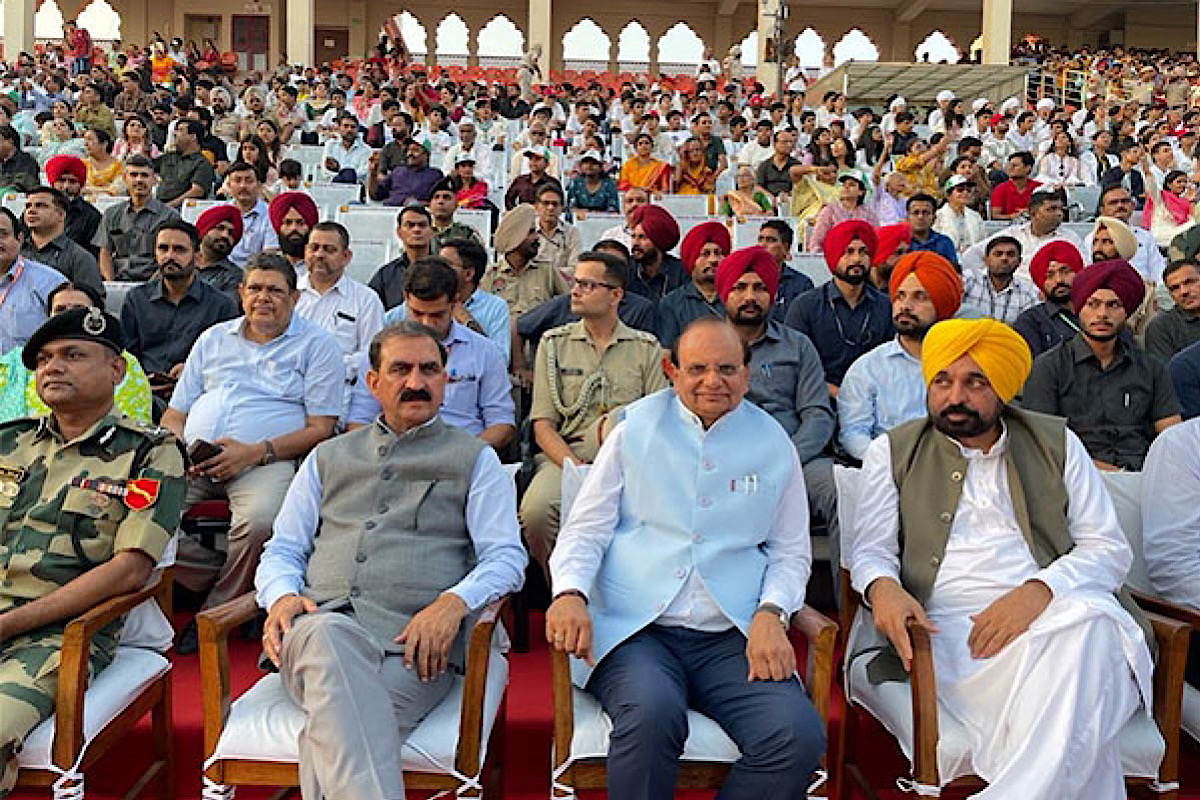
(90, 324)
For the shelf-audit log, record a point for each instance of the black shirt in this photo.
(83, 220)
(1170, 331)
(387, 282)
(634, 310)
(161, 334)
(224, 276)
(839, 332)
(670, 276)
(66, 256)
(177, 174)
(1112, 409)
(20, 172)
(1045, 325)
(680, 308)
(792, 284)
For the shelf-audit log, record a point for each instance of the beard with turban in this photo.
(997, 350)
(292, 244)
(749, 259)
(659, 227)
(1056, 252)
(1124, 242)
(1115, 275)
(694, 244)
(214, 217)
(66, 165)
(937, 277)
(839, 239)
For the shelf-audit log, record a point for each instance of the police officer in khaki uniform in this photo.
(519, 276)
(89, 500)
(584, 371)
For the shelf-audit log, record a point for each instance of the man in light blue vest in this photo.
(674, 578)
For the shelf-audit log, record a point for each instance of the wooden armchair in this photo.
(571, 772)
(89, 720)
(1170, 634)
(237, 752)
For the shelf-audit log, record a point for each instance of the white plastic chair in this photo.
(192, 209)
(373, 238)
(686, 204)
(329, 197)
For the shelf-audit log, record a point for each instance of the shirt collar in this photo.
(1080, 351)
(103, 431)
(620, 332)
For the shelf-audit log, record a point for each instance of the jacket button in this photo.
(383, 508)
(956, 476)
(369, 525)
(382, 451)
(935, 561)
(946, 516)
(354, 592)
(361, 557)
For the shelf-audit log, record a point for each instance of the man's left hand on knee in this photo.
(428, 636)
(768, 649)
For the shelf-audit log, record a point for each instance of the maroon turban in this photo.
(658, 225)
(285, 202)
(704, 233)
(1060, 251)
(841, 235)
(218, 214)
(1116, 275)
(56, 166)
(749, 259)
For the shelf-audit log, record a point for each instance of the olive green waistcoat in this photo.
(929, 469)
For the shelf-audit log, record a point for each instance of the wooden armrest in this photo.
(468, 759)
(821, 633)
(212, 631)
(1168, 609)
(74, 661)
(564, 707)
(924, 705)
(1172, 637)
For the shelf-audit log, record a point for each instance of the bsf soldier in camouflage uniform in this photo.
(89, 500)
(584, 371)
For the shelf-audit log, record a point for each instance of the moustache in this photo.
(415, 396)
(170, 262)
(958, 409)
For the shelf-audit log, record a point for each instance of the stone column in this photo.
(299, 31)
(541, 32)
(18, 28)
(766, 71)
(997, 31)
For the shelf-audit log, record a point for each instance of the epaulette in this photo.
(156, 433)
(21, 423)
(561, 330)
(646, 336)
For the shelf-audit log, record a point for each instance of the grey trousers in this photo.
(350, 744)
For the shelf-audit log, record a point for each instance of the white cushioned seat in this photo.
(264, 724)
(1142, 746)
(706, 740)
(1191, 711)
(114, 689)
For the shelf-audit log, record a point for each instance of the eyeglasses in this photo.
(585, 285)
(722, 370)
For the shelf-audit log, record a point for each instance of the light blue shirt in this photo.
(489, 310)
(23, 308)
(491, 516)
(357, 157)
(478, 391)
(882, 389)
(233, 387)
(258, 234)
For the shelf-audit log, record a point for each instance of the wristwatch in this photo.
(775, 611)
(268, 456)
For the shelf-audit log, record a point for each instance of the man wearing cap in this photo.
(524, 187)
(850, 203)
(1053, 270)
(883, 388)
(700, 252)
(1047, 210)
(584, 371)
(786, 377)
(163, 317)
(989, 526)
(920, 210)
(411, 183)
(414, 228)
(45, 217)
(292, 215)
(257, 232)
(1170, 331)
(996, 291)
(1115, 213)
(117, 485)
(519, 277)
(592, 189)
(847, 316)
(1113, 395)
(443, 202)
(937, 117)
(656, 272)
(126, 233)
(219, 229)
(68, 174)
(956, 219)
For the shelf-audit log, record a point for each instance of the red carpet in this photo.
(528, 745)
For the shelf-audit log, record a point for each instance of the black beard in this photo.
(855, 278)
(747, 314)
(1104, 337)
(220, 248)
(293, 244)
(910, 326)
(1060, 294)
(973, 426)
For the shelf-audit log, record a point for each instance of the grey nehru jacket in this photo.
(393, 531)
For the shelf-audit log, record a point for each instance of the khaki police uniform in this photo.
(538, 282)
(66, 507)
(575, 386)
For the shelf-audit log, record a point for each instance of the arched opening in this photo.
(586, 46)
(452, 37)
(679, 49)
(48, 21)
(854, 46)
(100, 20)
(500, 43)
(937, 48)
(810, 49)
(977, 46)
(633, 48)
(750, 51)
(413, 34)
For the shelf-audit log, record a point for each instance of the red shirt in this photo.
(1007, 200)
(81, 43)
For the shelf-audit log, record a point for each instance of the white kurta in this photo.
(1042, 716)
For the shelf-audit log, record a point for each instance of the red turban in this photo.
(285, 202)
(658, 225)
(1060, 251)
(1116, 275)
(218, 214)
(56, 166)
(887, 239)
(936, 275)
(739, 262)
(841, 235)
(704, 233)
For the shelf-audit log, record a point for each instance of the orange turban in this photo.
(1000, 352)
(936, 274)
(704, 233)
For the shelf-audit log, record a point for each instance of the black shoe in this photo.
(188, 642)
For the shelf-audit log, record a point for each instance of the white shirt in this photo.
(1171, 513)
(349, 310)
(753, 153)
(964, 229)
(356, 157)
(972, 259)
(588, 530)
(1148, 260)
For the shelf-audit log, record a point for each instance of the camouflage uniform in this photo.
(455, 230)
(62, 513)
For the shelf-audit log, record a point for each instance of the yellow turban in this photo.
(998, 350)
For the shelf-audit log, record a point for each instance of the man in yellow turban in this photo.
(989, 526)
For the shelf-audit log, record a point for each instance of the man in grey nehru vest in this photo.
(418, 530)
